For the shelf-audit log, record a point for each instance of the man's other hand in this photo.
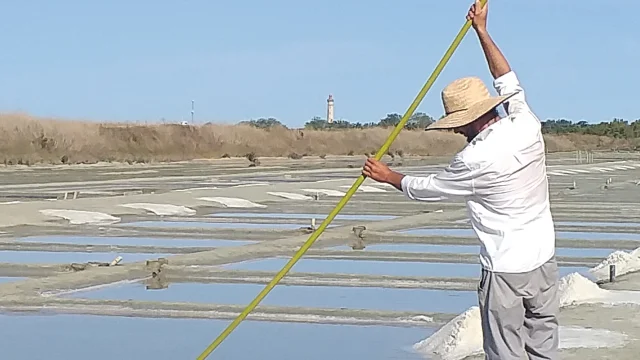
(376, 170)
(478, 15)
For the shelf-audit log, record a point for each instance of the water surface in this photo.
(214, 225)
(301, 216)
(305, 296)
(373, 267)
(108, 338)
(469, 249)
(569, 235)
(136, 241)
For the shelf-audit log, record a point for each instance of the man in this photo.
(502, 175)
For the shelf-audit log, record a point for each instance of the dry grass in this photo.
(29, 140)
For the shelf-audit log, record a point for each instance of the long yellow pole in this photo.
(383, 150)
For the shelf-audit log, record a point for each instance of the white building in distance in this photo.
(330, 109)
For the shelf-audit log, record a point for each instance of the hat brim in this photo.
(465, 117)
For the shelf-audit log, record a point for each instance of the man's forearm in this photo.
(395, 179)
(498, 64)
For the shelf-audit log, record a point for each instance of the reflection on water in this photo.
(108, 338)
(304, 296)
(373, 267)
(573, 235)
(469, 249)
(136, 241)
(596, 224)
(213, 225)
(303, 216)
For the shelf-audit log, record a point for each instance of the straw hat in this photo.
(465, 100)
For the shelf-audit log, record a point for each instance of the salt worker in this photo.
(502, 176)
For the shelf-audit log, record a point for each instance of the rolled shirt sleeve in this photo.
(455, 180)
(508, 84)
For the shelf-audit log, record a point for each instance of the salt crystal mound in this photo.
(575, 289)
(326, 192)
(290, 196)
(77, 217)
(456, 340)
(625, 263)
(162, 209)
(462, 336)
(233, 202)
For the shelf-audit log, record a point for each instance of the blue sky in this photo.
(144, 60)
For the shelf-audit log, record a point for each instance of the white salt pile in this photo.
(162, 209)
(462, 336)
(77, 217)
(290, 196)
(459, 338)
(326, 192)
(575, 289)
(625, 263)
(233, 202)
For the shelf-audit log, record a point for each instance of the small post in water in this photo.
(612, 273)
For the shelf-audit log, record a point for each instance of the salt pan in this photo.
(290, 196)
(365, 188)
(326, 192)
(233, 202)
(162, 209)
(77, 217)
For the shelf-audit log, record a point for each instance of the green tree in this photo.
(419, 120)
(263, 123)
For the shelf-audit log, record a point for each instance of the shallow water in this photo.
(33, 257)
(6, 279)
(596, 224)
(302, 216)
(469, 249)
(202, 224)
(108, 338)
(573, 235)
(372, 267)
(136, 241)
(305, 296)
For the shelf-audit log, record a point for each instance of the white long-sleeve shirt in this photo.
(502, 175)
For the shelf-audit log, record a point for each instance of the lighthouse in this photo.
(330, 109)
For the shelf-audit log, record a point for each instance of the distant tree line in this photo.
(617, 128)
(418, 120)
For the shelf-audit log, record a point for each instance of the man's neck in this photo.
(489, 123)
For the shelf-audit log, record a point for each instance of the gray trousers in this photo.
(519, 313)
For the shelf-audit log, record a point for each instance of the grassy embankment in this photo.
(28, 140)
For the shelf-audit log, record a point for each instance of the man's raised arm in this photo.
(505, 80)
(498, 64)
